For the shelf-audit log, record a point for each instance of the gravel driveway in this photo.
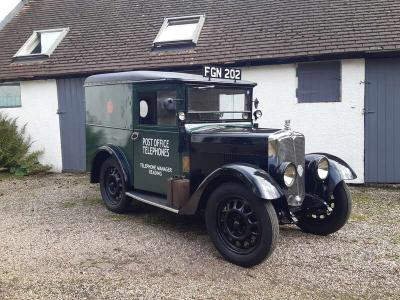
(57, 240)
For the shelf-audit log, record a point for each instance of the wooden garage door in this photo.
(382, 121)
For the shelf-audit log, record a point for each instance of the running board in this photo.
(156, 201)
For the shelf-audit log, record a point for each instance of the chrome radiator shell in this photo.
(290, 147)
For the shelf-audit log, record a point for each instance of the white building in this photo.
(332, 127)
(332, 72)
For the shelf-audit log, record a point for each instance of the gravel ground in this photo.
(57, 241)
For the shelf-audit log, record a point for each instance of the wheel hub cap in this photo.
(238, 225)
(114, 185)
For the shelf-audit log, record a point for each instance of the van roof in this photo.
(155, 76)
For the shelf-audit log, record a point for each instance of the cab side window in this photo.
(158, 108)
(148, 108)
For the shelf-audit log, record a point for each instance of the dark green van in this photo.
(190, 144)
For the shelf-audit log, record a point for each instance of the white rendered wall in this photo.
(39, 111)
(335, 128)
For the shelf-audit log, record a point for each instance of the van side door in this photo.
(156, 136)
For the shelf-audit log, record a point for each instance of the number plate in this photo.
(222, 73)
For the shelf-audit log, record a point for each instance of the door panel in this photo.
(156, 159)
(156, 137)
(71, 98)
(382, 121)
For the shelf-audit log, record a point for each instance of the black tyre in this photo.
(113, 187)
(340, 203)
(243, 228)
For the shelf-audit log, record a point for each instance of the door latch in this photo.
(134, 136)
(366, 112)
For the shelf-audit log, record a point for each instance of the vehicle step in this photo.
(154, 200)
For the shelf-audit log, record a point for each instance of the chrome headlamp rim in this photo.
(288, 174)
(322, 168)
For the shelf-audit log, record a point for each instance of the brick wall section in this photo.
(117, 35)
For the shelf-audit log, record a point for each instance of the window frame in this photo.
(167, 21)
(305, 100)
(155, 88)
(20, 98)
(249, 97)
(26, 50)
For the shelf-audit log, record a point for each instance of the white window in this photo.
(182, 30)
(10, 95)
(42, 42)
(230, 103)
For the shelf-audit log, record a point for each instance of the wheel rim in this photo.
(325, 215)
(238, 226)
(113, 185)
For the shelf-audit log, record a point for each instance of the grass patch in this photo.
(91, 202)
(119, 218)
(154, 219)
(68, 204)
(393, 256)
(363, 199)
(396, 239)
(9, 176)
(82, 178)
(356, 218)
(374, 205)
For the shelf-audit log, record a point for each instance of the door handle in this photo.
(134, 136)
(366, 112)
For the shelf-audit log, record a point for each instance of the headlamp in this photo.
(288, 174)
(182, 116)
(323, 168)
(257, 114)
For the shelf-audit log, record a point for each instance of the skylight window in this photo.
(182, 30)
(42, 43)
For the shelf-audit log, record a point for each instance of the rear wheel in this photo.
(327, 224)
(244, 229)
(113, 187)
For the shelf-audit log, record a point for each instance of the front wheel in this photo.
(113, 187)
(341, 209)
(243, 228)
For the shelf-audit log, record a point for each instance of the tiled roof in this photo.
(117, 35)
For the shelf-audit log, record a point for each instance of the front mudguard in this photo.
(258, 181)
(339, 170)
(105, 152)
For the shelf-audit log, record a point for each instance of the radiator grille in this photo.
(291, 148)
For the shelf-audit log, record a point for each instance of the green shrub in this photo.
(15, 156)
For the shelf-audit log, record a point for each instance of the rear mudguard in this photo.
(339, 170)
(259, 182)
(102, 154)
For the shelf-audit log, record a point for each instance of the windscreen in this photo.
(213, 104)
